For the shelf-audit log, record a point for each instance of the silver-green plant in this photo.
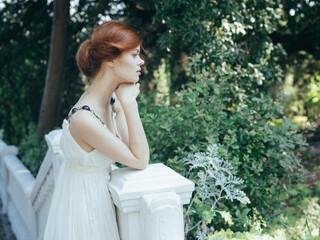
(215, 180)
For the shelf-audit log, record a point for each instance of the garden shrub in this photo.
(302, 220)
(32, 149)
(252, 235)
(232, 62)
(215, 180)
(263, 153)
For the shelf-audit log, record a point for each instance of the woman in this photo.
(103, 127)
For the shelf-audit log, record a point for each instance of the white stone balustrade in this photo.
(16, 185)
(148, 202)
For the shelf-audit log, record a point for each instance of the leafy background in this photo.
(243, 75)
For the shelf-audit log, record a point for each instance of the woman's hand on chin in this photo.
(127, 92)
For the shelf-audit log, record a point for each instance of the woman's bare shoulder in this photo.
(82, 121)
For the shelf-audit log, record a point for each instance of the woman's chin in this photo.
(135, 81)
(131, 81)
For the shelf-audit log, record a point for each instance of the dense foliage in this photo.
(25, 30)
(251, 34)
(261, 152)
(23, 55)
(224, 62)
(233, 62)
(32, 148)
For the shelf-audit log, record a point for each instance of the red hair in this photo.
(107, 42)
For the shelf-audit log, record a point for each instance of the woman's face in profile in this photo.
(128, 66)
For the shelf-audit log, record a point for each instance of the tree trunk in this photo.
(50, 104)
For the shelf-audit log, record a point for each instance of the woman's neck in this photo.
(99, 92)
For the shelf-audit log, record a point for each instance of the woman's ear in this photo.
(109, 63)
(113, 62)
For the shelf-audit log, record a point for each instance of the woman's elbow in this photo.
(143, 163)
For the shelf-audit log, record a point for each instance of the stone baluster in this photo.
(149, 202)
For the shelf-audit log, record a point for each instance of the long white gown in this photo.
(81, 207)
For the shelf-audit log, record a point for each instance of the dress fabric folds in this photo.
(81, 206)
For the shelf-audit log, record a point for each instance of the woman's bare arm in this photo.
(121, 122)
(86, 127)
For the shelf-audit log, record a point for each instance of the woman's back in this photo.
(81, 207)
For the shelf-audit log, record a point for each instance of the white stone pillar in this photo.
(5, 150)
(149, 202)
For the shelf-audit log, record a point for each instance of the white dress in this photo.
(81, 207)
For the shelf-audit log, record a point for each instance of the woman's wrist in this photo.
(128, 102)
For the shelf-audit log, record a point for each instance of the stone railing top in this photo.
(8, 150)
(128, 185)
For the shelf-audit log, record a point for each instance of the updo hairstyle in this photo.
(107, 42)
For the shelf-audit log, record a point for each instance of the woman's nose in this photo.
(141, 63)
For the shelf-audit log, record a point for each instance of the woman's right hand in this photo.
(127, 92)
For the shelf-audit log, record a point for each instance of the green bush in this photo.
(215, 180)
(263, 153)
(230, 235)
(32, 149)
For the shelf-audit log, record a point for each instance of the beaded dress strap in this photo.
(85, 107)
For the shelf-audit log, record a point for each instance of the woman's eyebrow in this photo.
(137, 50)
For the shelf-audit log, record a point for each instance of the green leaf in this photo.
(216, 91)
(227, 217)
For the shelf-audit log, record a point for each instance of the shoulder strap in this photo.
(84, 107)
